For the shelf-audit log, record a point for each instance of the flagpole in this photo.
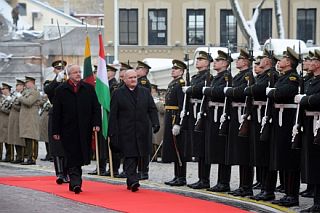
(97, 152)
(116, 33)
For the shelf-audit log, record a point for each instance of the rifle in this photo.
(199, 125)
(224, 119)
(316, 140)
(265, 130)
(61, 46)
(184, 111)
(245, 124)
(297, 128)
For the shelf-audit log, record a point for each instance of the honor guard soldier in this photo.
(13, 124)
(260, 150)
(29, 119)
(5, 102)
(173, 143)
(45, 107)
(282, 156)
(142, 71)
(238, 151)
(310, 158)
(215, 143)
(56, 147)
(195, 145)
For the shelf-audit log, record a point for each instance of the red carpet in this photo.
(118, 198)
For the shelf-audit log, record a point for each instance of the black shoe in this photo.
(314, 208)
(29, 162)
(6, 160)
(256, 185)
(290, 201)
(277, 202)
(193, 184)
(171, 181)
(181, 181)
(307, 193)
(220, 187)
(237, 191)
(265, 196)
(65, 179)
(59, 180)
(134, 187)
(143, 176)
(280, 189)
(16, 161)
(45, 159)
(121, 175)
(72, 189)
(243, 193)
(77, 189)
(201, 185)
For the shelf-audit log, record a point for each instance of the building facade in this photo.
(170, 28)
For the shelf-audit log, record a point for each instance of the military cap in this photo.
(125, 66)
(309, 56)
(223, 56)
(244, 54)
(290, 53)
(6, 86)
(59, 64)
(28, 78)
(142, 64)
(266, 54)
(19, 81)
(316, 55)
(204, 55)
(178, 64)
(111, 68)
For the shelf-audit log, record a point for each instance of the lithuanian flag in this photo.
(87, 66)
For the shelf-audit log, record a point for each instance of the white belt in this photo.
(259, 104)
(281, 107)
(240, 106)
(216, 106)
(195, 103)
(316, 120)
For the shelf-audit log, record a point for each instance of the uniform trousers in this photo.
(131, 164)
(31, 149)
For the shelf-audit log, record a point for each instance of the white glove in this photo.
(60, 76)
(295, 130)
(182, 114)
(298, 98)
(225, 89)
(184, 89)
(176, 130)
(204, 88)
(8, 98)
(223, 118)
(269, 89)
(18, 94)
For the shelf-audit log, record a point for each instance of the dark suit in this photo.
(131, 114)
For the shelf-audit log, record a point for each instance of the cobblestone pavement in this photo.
(159, 172)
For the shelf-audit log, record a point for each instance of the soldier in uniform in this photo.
(29, 119)
(310, 158)
(13, 124)
(142, 71)
(45, 106)
(172, 139)
(5, 102)
(55, 147)
(215, 144)
(282, 157)
(195, 145)
(238, 148)
(260, 153)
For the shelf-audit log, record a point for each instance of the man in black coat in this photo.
(282, 157)
(215, 144)
(55, 147)
(76, 114)
(194, 142)
(132, 112)
(310, 158)
(172, 139)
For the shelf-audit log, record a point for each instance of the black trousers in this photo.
(75, 175)
(143, 164)
(224, 174)
(180, 171)
(316, 198)
(246, 176)
(131, 164)
(203, 170)
(292, 183)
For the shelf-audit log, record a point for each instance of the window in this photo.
(228, 30)
(264, 25)
(196, 27)
(22, 9)
(306, 24)
(157, 26)
(128, 26)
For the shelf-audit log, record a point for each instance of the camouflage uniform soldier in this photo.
(29, 119)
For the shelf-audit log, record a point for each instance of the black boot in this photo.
(180, 172)
(204, 173)
(58, 165)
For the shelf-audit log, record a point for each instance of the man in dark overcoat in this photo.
(76, 114)
(132, 112)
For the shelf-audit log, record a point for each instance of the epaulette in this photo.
(182, 82)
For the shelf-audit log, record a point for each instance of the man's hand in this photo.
(56, 137)
(185, 88)
(204, 88)
(18, 94)
(176, 130)
(269, 89)
(96, 128)
(226, 89)
(60, 76)
(298, 98)
(156, 129)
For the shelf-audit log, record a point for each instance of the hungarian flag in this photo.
(102, 87)
(87, 66)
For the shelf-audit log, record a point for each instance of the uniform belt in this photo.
(171, 108)
(216, 105)
(281, 107)
(239, 106)
(195, 103)
(316, 120)
(259, 104)
(312, 113)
